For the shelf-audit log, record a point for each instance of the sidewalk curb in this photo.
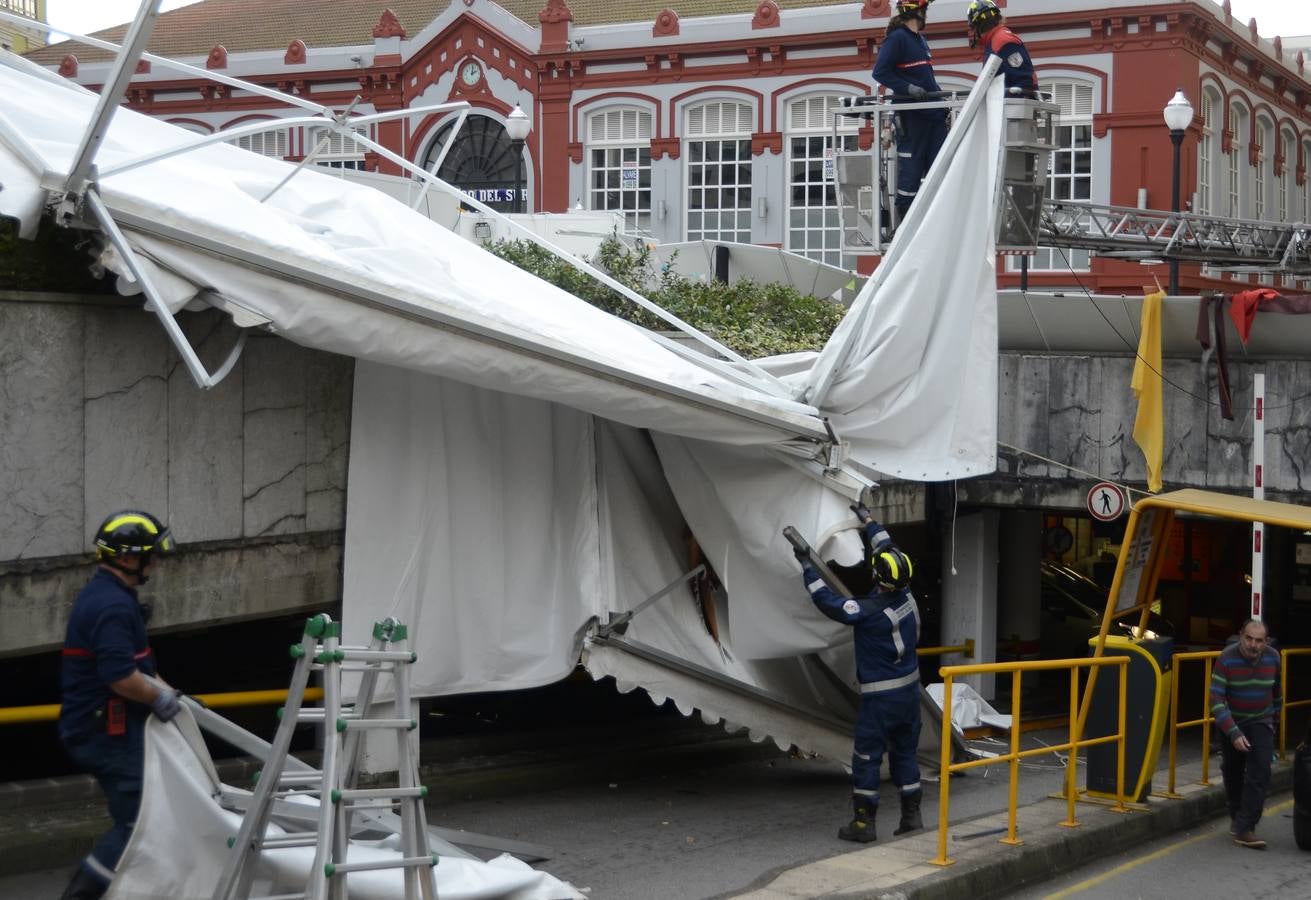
(1058, 850)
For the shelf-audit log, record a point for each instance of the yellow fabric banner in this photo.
(1149, 425)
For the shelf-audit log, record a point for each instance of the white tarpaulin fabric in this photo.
(916, 390)
(179, 845)
(483, 505)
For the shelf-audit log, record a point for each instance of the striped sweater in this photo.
(1244, 692)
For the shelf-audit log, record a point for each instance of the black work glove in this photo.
(862, 512)
(917, 92)
(803, 556)
(166, 704)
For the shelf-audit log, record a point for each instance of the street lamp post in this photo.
(517, 126)
(1178, 116)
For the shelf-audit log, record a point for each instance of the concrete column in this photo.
(969, 590)
(1019, 589)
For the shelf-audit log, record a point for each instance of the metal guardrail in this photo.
(49, 712)
(1208, 657)
(1075, 743)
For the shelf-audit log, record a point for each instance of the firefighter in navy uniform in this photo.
(887, 623)
(106, 695)
(989, 28)
(905, 67)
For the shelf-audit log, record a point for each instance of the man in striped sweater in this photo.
(1245, 703)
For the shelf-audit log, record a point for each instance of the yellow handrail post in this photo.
(1013, 800)
(1174, 722)
(1120, 744)
(944, 775)
(1206, 725)
(1072, 763)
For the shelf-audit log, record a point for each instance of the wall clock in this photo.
(470, 72)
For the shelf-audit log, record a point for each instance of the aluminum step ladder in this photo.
(344, 725)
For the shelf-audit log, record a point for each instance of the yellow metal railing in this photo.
(1207, 657)
(1017, 669)
(966, 650)
(16, 715)
(1284, 703)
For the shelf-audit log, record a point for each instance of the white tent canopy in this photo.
(535, 461)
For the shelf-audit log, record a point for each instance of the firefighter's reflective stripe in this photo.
(891, 684)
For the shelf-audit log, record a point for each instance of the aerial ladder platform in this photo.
(1027, 219)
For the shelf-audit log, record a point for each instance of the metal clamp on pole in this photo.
(618, 623)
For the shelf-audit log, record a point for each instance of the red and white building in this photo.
(710, 118)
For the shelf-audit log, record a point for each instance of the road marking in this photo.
(1165, 851)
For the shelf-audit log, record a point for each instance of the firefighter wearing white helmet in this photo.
(887, 630)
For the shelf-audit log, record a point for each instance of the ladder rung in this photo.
(396, 793)
(409, 862)
(364, 654)
(298, 839)
(349, 722)
(291, 779)
(300, 896)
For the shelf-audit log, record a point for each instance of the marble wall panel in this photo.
(1118, 455)
(205, 437)
(329, 388)
(273, 480)
(1074, 412)
(1229, 442)
(126, 415)
(1022, 414)
(41, 442)
(1186, 409)
(1288, 426)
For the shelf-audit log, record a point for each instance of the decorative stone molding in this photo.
(218, 57)
(1252, 30)
(555, 11)
(1301, 62)
(1227, 141)
(875, 9)
(68, 66)
(767, 15)
(1279, 48)
(767, 140)
(1254, 154)
(575, 151)
(1229, 12)
(143, 67)
(388, 26)
(666, 147)
(295, 55)
(666, 24)
(1280, 162)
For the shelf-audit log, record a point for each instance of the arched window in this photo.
(482, 162)
(1208, 151)
(266, 143)
(1237, 164)
(1071, 174)
(1288, 180)
(1265, 131)
(717, 147)
(339, 152)
(193, 127)
(619, 164)
(813, 229)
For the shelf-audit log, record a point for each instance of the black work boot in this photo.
(84, 886)
(910, 812)
(861, 827)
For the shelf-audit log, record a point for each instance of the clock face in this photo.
(471, 73)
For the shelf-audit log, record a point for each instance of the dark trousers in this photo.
(116, 763)
(887, 723)
(920, 134)
(1247, 775)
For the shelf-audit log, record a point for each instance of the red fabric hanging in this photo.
(1242, 309)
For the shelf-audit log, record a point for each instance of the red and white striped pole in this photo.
(1258, 489)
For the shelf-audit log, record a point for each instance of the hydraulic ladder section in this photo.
(320, 649)
(865, 181)
(1152, 234)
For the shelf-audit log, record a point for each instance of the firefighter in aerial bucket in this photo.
(988, 27)
(905, 67)
(887, 625)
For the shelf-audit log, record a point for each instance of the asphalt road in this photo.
(1203, 862)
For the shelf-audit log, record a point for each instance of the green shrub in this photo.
(755, 320)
